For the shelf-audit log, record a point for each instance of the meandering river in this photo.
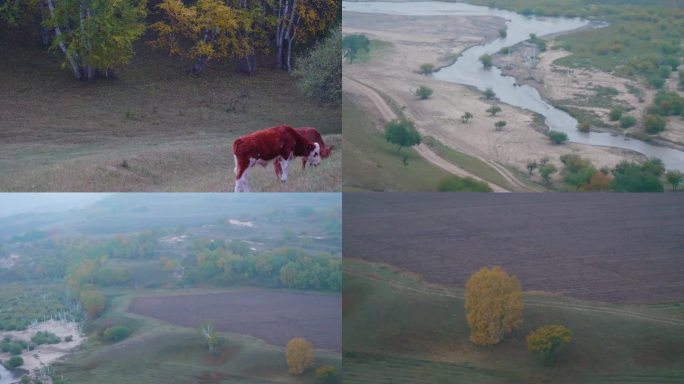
(468, 70)
(6, 376)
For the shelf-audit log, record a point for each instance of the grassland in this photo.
(152, 128)
(373, 164)
(376, 51)
(160, 352)
(398, 329)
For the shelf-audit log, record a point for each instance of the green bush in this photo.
(462, 184)
(424, 92)
(486, 60)
(557, 137)
(116, 333)
(14, 362)
(45, 338)
(320, 72)
(654, 124)
(615, 114)
(327, 374)
(627, 121)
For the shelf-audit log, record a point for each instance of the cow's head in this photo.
(325, 152)
(314, 151)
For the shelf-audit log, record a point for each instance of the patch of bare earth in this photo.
(437, 39)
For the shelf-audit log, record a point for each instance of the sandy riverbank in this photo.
(438, 40)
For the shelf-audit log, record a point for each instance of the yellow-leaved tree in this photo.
(206, 30)
(300, 355)
(493, 303)
(546, 342)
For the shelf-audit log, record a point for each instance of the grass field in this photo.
(158, 352)
(151, 128)
(398, 329)
(373, 164)
(376, 50)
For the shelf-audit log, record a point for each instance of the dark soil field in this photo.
(606, 247)
(273, 316)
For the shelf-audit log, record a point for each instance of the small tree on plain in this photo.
(557, 137)
(531, 166)
(493, 110)
(424, 92)
(503, 33)
(427, 69)
(654, 124)
(494, 306)
(300, 355)
(486, 60)
(489, 94)
(675, 179)
(546, 342)
(546, 171)
(499, 125)
(466, 117)
(402, 132)
(352, 44)
(210, 336)
(615, 113)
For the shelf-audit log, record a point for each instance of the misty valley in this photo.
(197, 288)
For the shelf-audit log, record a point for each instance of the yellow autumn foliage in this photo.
(493, 303)
(547, 341)
(300, 355)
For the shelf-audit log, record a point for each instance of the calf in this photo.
(313, 136)
(260, 147)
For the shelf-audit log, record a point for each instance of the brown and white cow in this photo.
(313, 136)
(260, 147)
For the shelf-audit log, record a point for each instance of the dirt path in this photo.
(445, 292)
(388, 114)
(393, 70)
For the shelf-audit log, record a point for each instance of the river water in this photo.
(6, 376)
(468, 70)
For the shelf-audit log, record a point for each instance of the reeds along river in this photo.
(468, 70)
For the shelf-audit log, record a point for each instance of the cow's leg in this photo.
(278, 168)
(245, 183)
(284, 164)
(303, 163)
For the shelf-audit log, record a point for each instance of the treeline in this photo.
(231, 263)
(580, 174)
(96, 36)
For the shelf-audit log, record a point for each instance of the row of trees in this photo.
(494, 308)
(580, 174)
(96, 36)
(288, 267)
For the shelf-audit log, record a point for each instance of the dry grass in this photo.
(174, 131)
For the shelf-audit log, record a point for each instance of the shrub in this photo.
(327, 374)
(627, 121)
(116, 333)
(584, 126)
(546, 342)
(486, 60)
(462, 184)
(45, 338)
(427, 68)
(557, 137)
(654, 124)
(14, 362)
(489, 93)
(423, 92)
(615, 114)
(493, 110)
(320, 72)
(503, 33)
(499, 125)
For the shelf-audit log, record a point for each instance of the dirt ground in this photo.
(606, 247)
(273, 316)
(46, 354)
(152, 128)
(437, 39)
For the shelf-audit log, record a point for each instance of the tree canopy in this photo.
(402, 132)
(493, 302)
